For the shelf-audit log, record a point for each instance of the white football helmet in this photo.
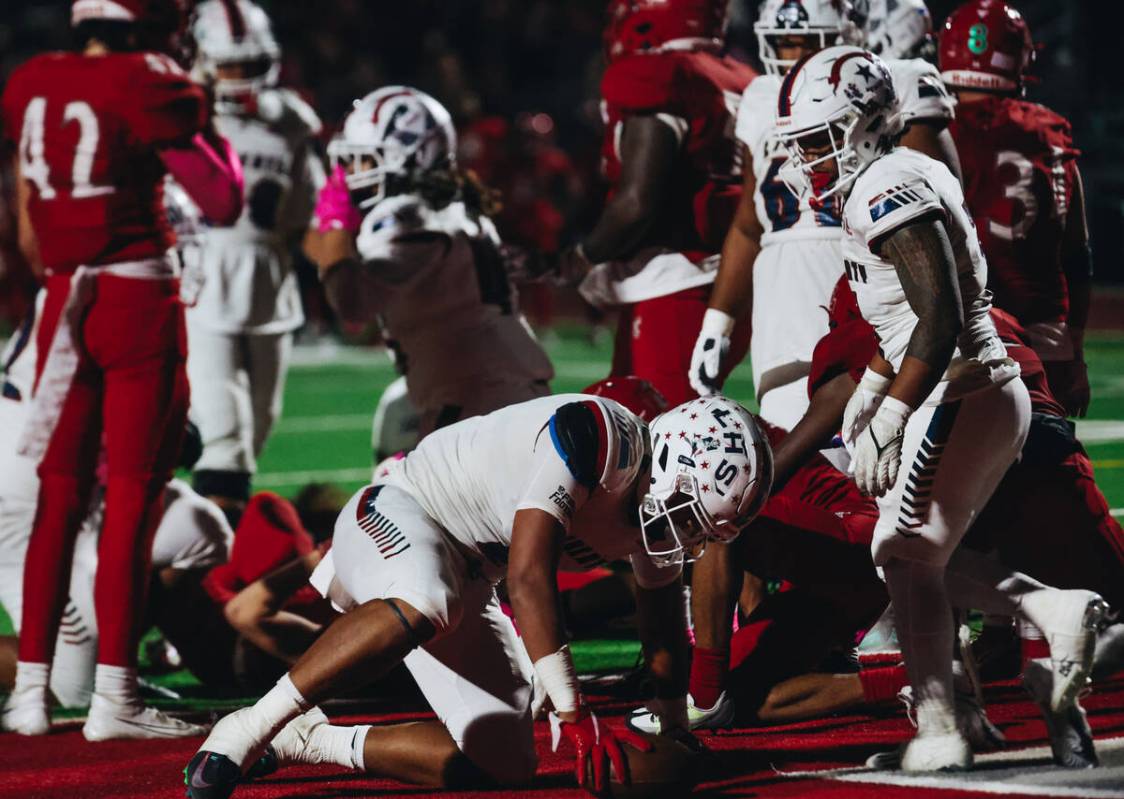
(393, 132)
(890, 28)
(234, 32)
(839, 104)
(780, 18)
(712, 469)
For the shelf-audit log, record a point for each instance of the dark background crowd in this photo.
(521, 79)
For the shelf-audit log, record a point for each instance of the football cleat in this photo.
(1073, 619)
(109, 720)
(26, 712)
(971, 720)
(210, 775)
(1108, 654)
(949, 751)
(719, 717)
(1071, 739)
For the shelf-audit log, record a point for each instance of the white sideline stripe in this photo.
(1009, 772)
(267, 479)
(1117, 511)
(1099, 431)
(325, 424)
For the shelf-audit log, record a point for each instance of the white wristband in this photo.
(556, 673)
(874, 382)
(717, 323)
(897, 410)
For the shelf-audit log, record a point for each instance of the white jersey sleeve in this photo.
(921, 92)
(885, 200)
(757, 112)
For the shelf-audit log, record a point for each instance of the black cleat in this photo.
(264, 765)
(210, 776)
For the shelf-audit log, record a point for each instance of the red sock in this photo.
(883, 683)
(708, 675)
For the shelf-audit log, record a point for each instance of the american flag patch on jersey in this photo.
(891, 200)
(387, 537)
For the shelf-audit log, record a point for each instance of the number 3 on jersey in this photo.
(33, 163)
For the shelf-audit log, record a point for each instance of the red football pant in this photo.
(129, 394)
(655, 339)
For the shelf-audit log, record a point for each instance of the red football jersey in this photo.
(88, 129)
(1019, 169)
(701, 91)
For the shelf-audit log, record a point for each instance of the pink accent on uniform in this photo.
(211, 174)
(334, 209)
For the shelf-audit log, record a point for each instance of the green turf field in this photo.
(325, 430)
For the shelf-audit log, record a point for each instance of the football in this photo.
(668, 770)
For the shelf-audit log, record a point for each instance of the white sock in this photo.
(358, 742)
(32, 677)
(116, 683)
(278, 707)
(338, 745)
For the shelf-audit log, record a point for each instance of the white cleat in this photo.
(719, 717)
(971, 720)
(109, 720)
(26, 712)
(949, 751)
(1073, 618)
(1071, 739)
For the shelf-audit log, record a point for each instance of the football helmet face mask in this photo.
(394, 132)
(838, 104)
(890, 28)
(654, 26)
(986, 45)
(712, 469)
(639, 396)
(818, 22)
(234, 36)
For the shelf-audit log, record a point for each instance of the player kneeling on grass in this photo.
(568, 481)
(942, 394)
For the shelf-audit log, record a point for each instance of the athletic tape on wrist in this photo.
(716, 322)
(557, 675)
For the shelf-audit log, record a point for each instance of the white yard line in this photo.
(1026, 772)
(1100, 431)
(274, 479)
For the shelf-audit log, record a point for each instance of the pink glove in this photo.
(334, 210)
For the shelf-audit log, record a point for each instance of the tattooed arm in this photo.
(922, 256)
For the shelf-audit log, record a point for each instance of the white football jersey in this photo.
(241, 280)
(921, 95)
(894, 190)
(436, 279)
(554, 454)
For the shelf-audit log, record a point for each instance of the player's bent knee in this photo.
(502, 746)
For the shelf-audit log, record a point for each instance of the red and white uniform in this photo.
(800, 261)
(1020, 169)
(665, 283)
(89, 130)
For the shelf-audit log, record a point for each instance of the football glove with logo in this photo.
(863, 404)
(878, 451)
(710, 351)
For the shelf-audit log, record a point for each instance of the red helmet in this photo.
(639, 396)
(986, 44)
(653, 26)
(161, 20)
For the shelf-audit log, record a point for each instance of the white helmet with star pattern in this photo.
(712, 469)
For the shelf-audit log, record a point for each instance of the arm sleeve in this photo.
(164, 106)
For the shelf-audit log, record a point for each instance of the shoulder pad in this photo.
(288, 113)
(641, 83)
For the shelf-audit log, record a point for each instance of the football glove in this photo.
(878, 450)
(863, 403)
(597, 742)
(334, 209)
(710, 351)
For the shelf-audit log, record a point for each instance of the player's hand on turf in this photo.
(596, 742)
(334, 209)
(863, 404)
(711, 348)
(878, 450)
